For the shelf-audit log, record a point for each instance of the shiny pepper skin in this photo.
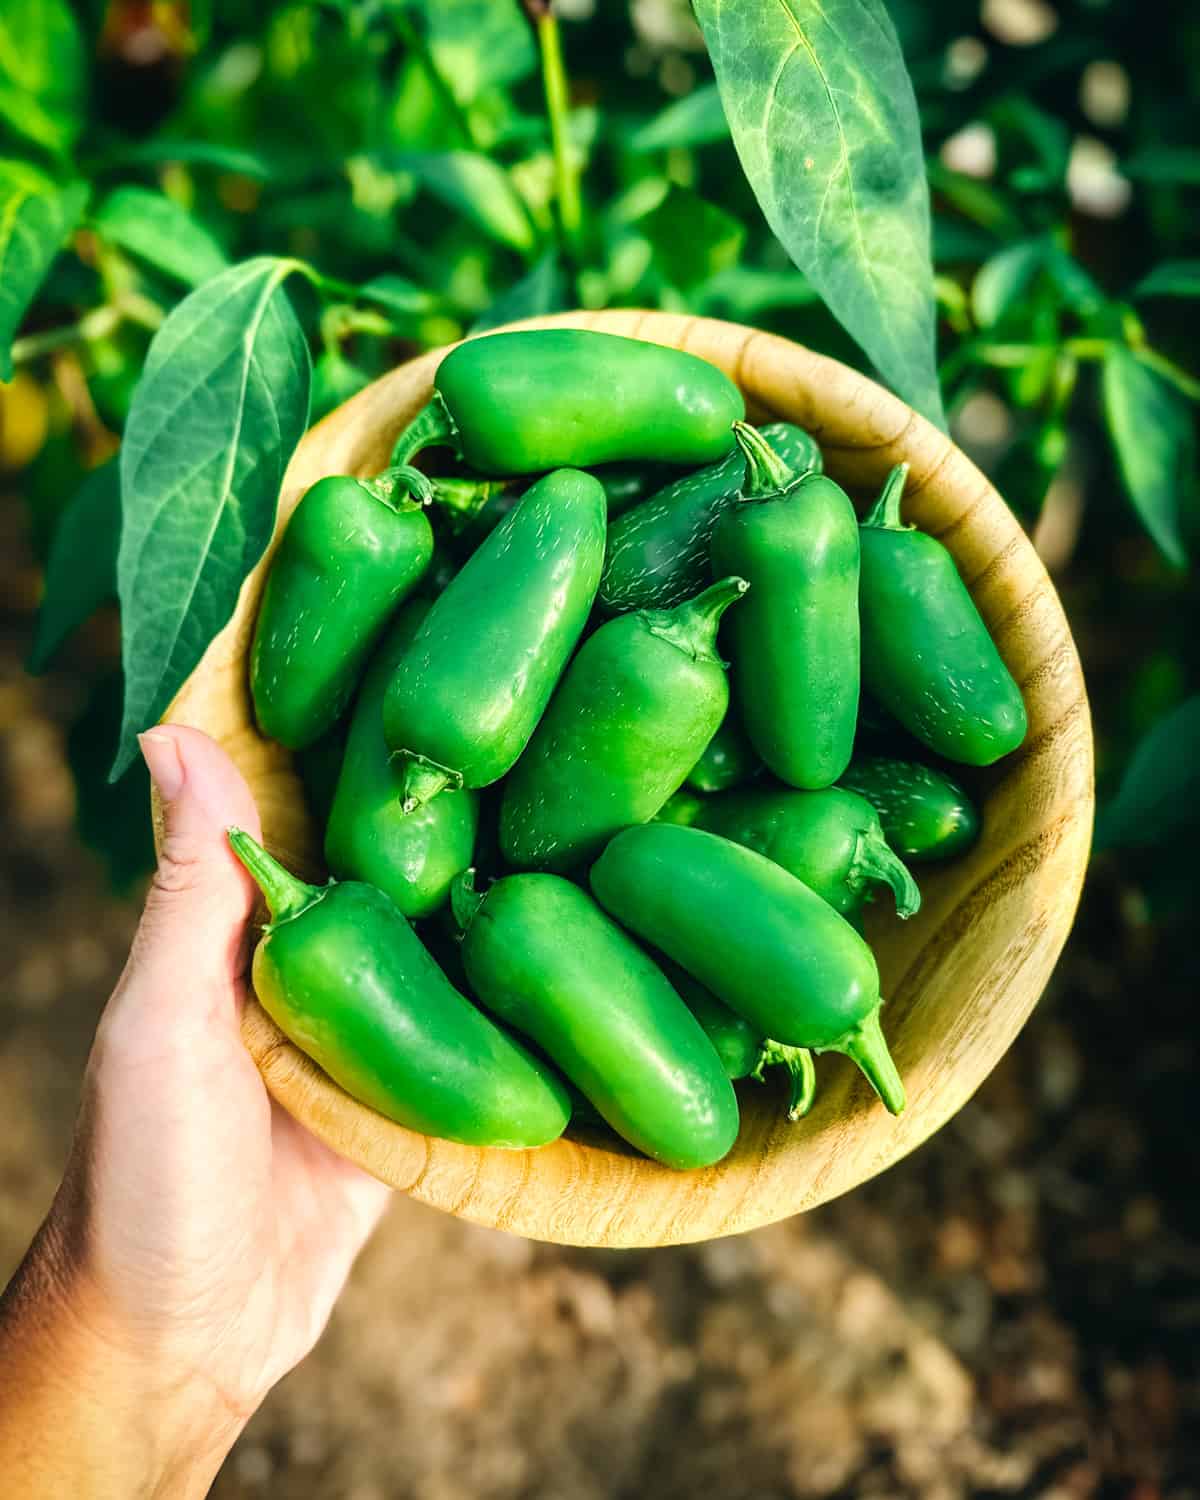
(658, 552)
(467, 695)
(414, 856)
(352, 551)
(639, 702)
(831, 840)
(344, 976)
(795, 643)
(924, 814)
(755, 936)
(519, 403)
(545, 959)
(927, 655)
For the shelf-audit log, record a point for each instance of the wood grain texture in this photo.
(960, 978)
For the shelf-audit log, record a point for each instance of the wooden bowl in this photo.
(960, 978)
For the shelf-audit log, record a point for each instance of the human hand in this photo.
(200, 1236)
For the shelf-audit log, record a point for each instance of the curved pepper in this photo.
(412, 857)
(352, 551)
(795, 645)
(754, 935)
(831, 840)
(638, 703)
(923, 813)
(518, 403)
(543, 957)
(344, 976)
(468, 693)
(658, 552)
(926, 653)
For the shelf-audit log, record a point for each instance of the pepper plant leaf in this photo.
(157, 230)
(542, 290)
(220, 407)
(1160, 792)
(81, 571)
(36, 215)
(41, 73)
(824, 119)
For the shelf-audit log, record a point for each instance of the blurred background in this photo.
(1015, 1309)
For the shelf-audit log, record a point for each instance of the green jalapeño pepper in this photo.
(344, 976)
(927, 655)
(742, 1051)
(543, 957)
(657, 553)
(795, 643)
(924, 815)
(517, 403)
(353, 549)
(637, 705)
(471, 688)
(414, 856)
(728, 759)
(627, 485)
(754, 935)
(831, 840)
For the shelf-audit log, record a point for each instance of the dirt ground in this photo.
(1014, 1310)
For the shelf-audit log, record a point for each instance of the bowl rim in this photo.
(1038, 810)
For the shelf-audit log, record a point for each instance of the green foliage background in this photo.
(360, 179)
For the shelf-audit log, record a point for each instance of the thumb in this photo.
(194, 924)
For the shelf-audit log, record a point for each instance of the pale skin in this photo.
(200, 1237)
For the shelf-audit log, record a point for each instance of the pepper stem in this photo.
(874, 859)
(766, 473)
(802, 1070)
(886, 510)
(424, 779)
(692, 625)
(866, 1045)
(463, 499)
(465, 900)
(432, 427)
(418, 487)
(286, 895)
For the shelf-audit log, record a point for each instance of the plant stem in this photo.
(554, 79)
(412, 38)
(97, 324)
(1169, 370)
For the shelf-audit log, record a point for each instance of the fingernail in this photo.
(161, 755)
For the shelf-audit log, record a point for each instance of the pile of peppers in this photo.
(614, 724)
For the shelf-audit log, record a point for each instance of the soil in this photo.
(1012, 1311)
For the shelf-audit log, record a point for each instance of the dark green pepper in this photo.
(728, 759)
(542, 956)
(319, 766)
(742, 1051)
(924, 814)
(683, 807)
(642, 698)
(926, 653)
(352, 551)
(518, 403)
(754, 935)
(795, 642)
(412, 857)
(472, 686)
(658, 553)
(344, 976)
(628, 484)
(831, 840)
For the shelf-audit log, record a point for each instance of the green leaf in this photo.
(41, 72)
(114, 821)
(825, 122)
(221, 405)
(691, 239)
(214, 154)
(698, 119)
(1160, 793)
(399, 295)
(475, 187)
(1152, 431)
(155, 229)
(1003, 279)
(542, 291)
(743, 292)
(478, 44)
(1174, 278)
(36, 216)
(81, 571)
